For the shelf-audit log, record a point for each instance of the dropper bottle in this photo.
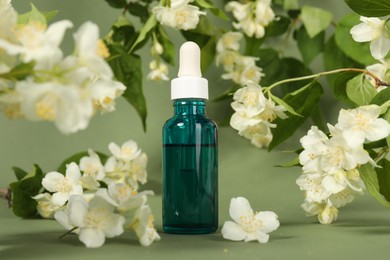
(190, 154)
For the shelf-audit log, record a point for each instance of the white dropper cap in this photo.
(189, 83)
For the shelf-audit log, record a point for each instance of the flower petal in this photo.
(114, 226)
(60, 198)
(262, 237)
(270, 221)
(362, 33)
(380, 47)
(239, 207)
(51, 180)
(92, 237)
(73, 173)
(78, 209)
(63, 219)
(233, 231)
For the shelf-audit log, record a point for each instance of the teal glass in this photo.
(190, 170)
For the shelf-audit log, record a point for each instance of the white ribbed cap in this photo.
(189, 83)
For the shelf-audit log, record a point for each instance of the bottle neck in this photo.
(189, 106)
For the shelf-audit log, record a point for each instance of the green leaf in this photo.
(358, 51)
(317, 117)
(128, 70)
(381, 97)
(278, 27)
(387, 118)
(335, 58)
(370, 8)
(124, 33)
(138, 10)
(33, 15)
(310, 47)
(207, 53)
(228, 94)
(291, 4)
(252, 45)
(215, 10)
(370, 179)
(202, 33)
(20, 71)
(23, 205)
(117, 3)
(292, 163)
(76, 158)
(293, 68)
(272, 65)
(315, 20)
(169, 49)
(360, 91)
(50, 14)
(284, 104)
(383, 175)
(19, 173)
(339, 87)
(303, 102)
(146, 29)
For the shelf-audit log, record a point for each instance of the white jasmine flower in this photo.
(104, 92)
(116, 170)
(127, 152)
(158, 71)
(180, 15)
(144, 227)
(45, 207)
(262, 135)
(254, 114)
(241, 121)
(93, 171)
(245, 70)
(91, 51)
(314, 144)
(36, 43)
(228, 59)
(240, 11)
(342, 198)
(248, 226)
(10, 104)
(157, 49)
(252, 17)
(8, 19)
(373, 30)
(380, 70)
(138, 168)
(95, 220)
(311, 183)
(325, 212)
(249, 98)
(264, 13)
(341, 155)
(63, 186)
(363, 123)
(123, 196)
(68, 106)
(229, 41)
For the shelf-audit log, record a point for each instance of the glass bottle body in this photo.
(190, 170)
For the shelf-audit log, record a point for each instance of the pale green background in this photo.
(363, 228)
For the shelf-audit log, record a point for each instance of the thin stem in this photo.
(378, 82)
(69, 232)
(382, 154)
(6, 194)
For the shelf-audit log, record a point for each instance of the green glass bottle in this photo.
(190, 157)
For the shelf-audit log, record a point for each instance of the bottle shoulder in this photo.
(182, 121)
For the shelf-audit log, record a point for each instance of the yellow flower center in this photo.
(30, 34)
(249, 222)
(102, 50)
(63, 186)
(181, 16)
(97, 217)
